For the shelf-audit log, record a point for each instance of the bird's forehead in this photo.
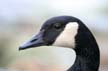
(53, 21)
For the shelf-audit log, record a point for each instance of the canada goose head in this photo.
(69, 32)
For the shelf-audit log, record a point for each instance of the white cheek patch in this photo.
(67, 37)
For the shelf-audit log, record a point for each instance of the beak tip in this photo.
(21, 48)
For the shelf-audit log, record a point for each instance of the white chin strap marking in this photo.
(67, 37)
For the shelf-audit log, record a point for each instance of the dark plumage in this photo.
(69, 32)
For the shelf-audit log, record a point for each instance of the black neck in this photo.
(87, 51)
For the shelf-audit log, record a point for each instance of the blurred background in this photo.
(20, 19)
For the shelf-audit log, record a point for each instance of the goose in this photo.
(69, 32)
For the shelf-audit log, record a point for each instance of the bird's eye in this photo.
(57, 26)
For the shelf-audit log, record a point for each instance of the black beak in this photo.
(34, 42)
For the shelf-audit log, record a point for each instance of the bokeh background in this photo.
(20, 19)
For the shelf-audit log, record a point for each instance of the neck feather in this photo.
(87, 49)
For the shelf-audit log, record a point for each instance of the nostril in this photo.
(33, 40)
